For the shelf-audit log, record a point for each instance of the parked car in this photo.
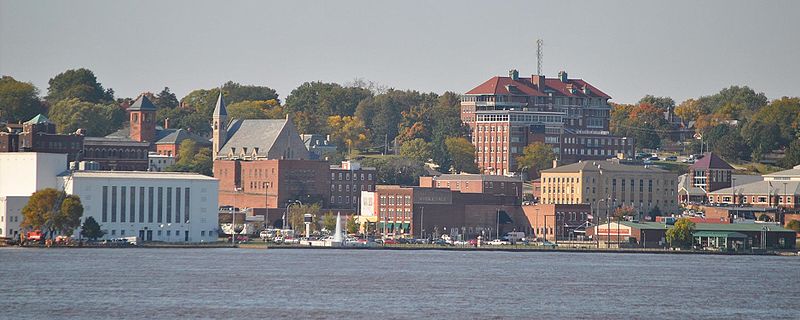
(473, 242)
(671, 158)
(499, 242)
(441, 242)
(389, 241)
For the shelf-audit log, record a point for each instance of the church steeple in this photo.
(219, 125)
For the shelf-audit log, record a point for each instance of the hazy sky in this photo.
(625, 48)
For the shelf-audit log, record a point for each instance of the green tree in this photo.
(297, 213)
(726, 141)
(680, 235)
(382, 113)
(793, 225)
(166, 99)
(662, 103)
(91, 229)
(19, 101)
(396, 170)
(352, 225)
(190, 158)
(463, 154)
(734, 95)
(416, 149)
(313, 103)
(80, 84)
(792, 155)
(199, 104)
(261, 109)
(329, 221)
(52, 210)
(98, 119)
(535, 157)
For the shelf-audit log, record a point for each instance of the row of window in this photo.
(347, 188)
(395, 200)
(122, 203)
(345, 200)
(346, 176)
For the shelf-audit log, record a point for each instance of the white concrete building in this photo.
(21, 174)
(159, 162)
(153, 206)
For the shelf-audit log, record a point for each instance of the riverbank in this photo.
(520, 249)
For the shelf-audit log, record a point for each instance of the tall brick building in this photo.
(506, 114)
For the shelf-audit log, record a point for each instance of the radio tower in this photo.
(539, 53)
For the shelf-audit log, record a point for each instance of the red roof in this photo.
(499, 86)
(711, 161)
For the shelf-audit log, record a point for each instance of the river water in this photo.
(379, 284)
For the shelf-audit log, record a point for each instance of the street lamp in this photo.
(285, 214)
(236, 191)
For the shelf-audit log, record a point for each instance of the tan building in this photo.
(606, 185)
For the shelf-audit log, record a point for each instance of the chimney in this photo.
(538, 80)
(166, 123)
(513, 74)
(555, 163)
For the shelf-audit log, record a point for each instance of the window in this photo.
(203, 233)
(113, 204)
(105, 204)
(169, 206)
(123, 205)
(160, 204)
(150, 205)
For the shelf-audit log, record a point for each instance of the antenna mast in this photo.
(539, 54)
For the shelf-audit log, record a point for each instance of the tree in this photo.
(792, 156)
(91, 229)
(624, 211)
(166, 99)
(463, 154)
(80, 84)
(72, 114)
(680, 235)
(200, 103)
(535, 157)
(52, 210)
(69, 218)
(352, 225)
(793, 225)
(329, 221)
(19, 101)
(689, 110)
(734, 95)
(297, 214)
(662, 103)
(382, 113)
(726, 141)
(348, 133)
(416, 149)
(192, 159)
(655, 212)
(313, 103)
(260, 109)
(396, 170)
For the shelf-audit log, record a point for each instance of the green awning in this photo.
(720, 234)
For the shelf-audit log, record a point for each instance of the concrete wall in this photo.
(203, 205)
(23, 173)
(11, 215)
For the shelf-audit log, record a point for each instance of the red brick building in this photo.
(39, 135)
(475, 183)
(558, 221)
(347, 182)
(431, 212)
(508, 113)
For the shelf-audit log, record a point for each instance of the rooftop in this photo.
(142, 104)
(600, 165)
(725, 227)
(762, 188)
(527, 87)
(474, 177)
(40, 118)
(140, 175)
(711, 161)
